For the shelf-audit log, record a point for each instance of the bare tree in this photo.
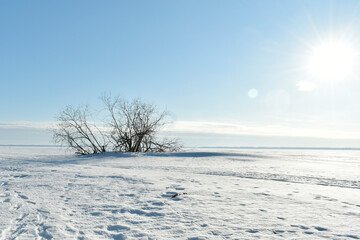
(132, 127)
(135, 126)
(74, 130)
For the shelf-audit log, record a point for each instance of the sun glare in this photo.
(332, 61)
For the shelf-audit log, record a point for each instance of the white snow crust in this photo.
(46, 193)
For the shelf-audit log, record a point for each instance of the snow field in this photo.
(222, 194)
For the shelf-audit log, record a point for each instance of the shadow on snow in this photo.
(109, 155)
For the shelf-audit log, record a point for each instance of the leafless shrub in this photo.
(74, 130)
(133, 127)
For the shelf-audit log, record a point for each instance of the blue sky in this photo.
(198, 59)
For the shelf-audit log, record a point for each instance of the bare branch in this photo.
(133, 127)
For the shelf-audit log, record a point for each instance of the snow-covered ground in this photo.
(222, 194)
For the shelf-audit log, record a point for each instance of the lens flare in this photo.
(253, 93)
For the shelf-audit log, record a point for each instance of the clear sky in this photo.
(232, 73)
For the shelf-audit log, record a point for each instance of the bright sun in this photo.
(332, 61)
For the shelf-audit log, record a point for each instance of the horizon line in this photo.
(207, 147)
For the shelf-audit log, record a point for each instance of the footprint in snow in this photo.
(69, 229)
(127, 195)
(168, 194)
(23, 196)
(300, 226)
(15, 207)
(262, 194)
(321, 229)
(173, 195)
(21, 176)
(118, 237)
(349, 236)
(4, 184)
(278, 231)
(95, 214)
(42, 231)
(117, 228)
(157, 203)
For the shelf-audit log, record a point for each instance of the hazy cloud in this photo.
(27, 125)
(194, 128)
(251, 129)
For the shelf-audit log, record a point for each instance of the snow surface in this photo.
(222, 194)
